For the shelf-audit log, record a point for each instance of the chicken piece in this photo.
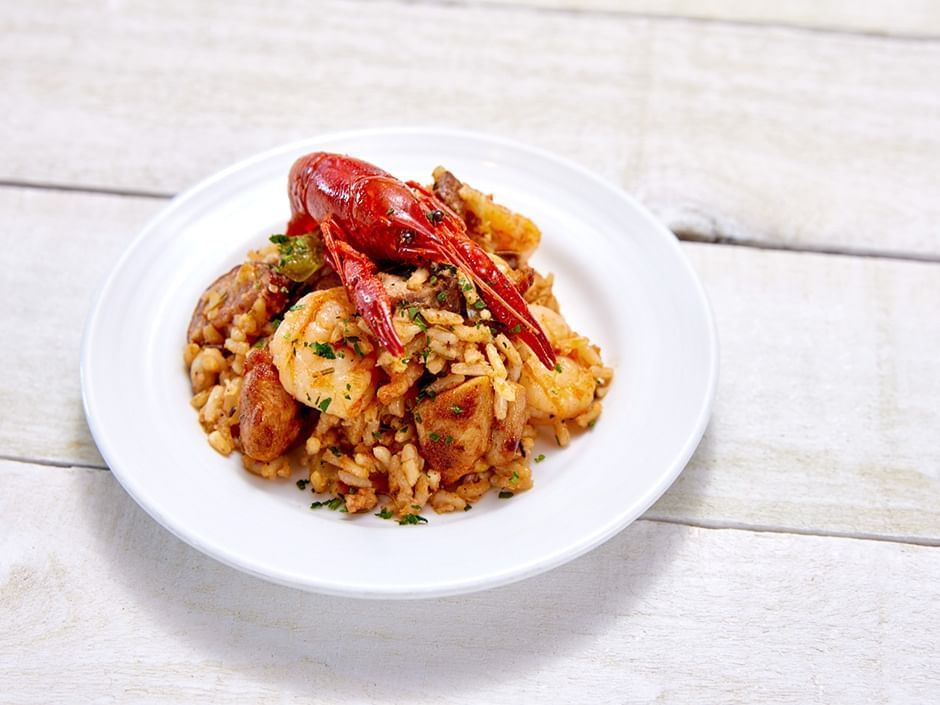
(319, 370)
(268, 417)
(507, 432)
(233, 293)
(454, 427)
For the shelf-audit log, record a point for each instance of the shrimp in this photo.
(562, 393)
(317, 363)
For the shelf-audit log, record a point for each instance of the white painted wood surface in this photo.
(725, 130)
(828, 373)
(912, 18)
(113, 607)
(751, 580)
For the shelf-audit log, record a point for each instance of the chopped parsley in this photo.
(467, 507)
(354, 339)
(412, 519)
(515, 329)
(279, 239)
(324, 350)
(417, 417)
(506, 494)
(335, 451)
(337, 503)
(479, 304)
(456, 409)
(592, 424)
(390, 211)
(384, 514)
(467, 286)
(415, 315)
(540, 457)
(514, 478)
(557, 367)
(260, 343)
(297, 307)
(325, 404)
(434, 437)
(442, 296)
(448, 440)
(302, 484)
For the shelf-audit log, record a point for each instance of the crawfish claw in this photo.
(357, 272)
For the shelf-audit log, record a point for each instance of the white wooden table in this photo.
(796, 150)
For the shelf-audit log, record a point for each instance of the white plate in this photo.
(621, 279)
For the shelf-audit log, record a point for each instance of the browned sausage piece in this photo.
(268, 417)
(233, 293)
(446, 187)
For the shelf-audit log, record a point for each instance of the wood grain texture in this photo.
(726, 131)
(825, 408)
(58, 247)
(913, 18)
(99, 603)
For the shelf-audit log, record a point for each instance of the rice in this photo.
(406, 445)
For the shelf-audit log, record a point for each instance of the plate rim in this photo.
(376, 591)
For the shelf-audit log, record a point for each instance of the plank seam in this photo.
(93, 190)
(684, 235)
(663, 17)
(805, 248)
(698, 524)
(929, 542)
(51, 463)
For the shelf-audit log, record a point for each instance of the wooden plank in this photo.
(58, 247)
(912, 18)
(726, 131)
(825, 408)
(827, 404)
(99, 602)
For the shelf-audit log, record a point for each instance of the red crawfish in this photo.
(367, 215)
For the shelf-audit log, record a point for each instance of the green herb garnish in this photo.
(324, 350)
(456, 409)
(337, 503)
(412, 519)
(506, 494)
(384, 514)
(325, 404)
(302, 484)
(540, 457)
(415, 315)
